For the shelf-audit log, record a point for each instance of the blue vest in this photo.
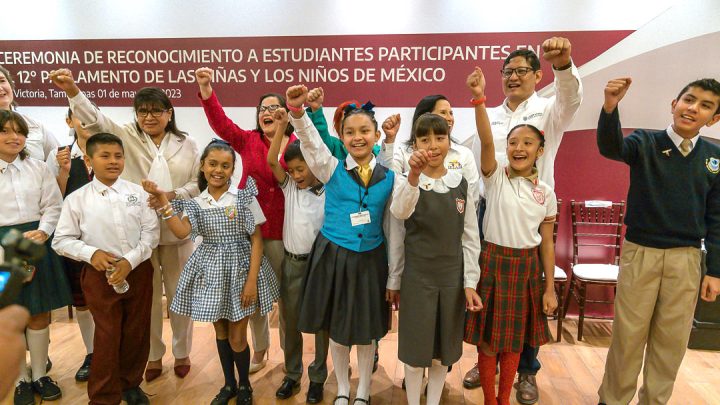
(346, 196)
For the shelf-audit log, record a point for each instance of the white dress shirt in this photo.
(29, 193)
(114, 218)
(403, 206)
(459, 158)
(323, 164)
(304, 216)
(552, 115)
(516, 206)
(40, 142)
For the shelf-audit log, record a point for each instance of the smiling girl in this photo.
(253, 145)
(518, 246)
(32, 204)
(226, 279)
(347, 284)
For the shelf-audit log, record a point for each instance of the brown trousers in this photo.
(122, 332)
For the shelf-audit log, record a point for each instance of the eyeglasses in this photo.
(270, 108)
(520, 72)
(156, 113)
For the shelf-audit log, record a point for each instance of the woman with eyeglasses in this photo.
(154, 148)
(253, 145)
(40, 142)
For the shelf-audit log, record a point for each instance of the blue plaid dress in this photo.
(213, 279)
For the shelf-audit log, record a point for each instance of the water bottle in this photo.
(120, 288)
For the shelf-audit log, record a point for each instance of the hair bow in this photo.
(368, 106)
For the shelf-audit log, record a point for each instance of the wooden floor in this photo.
(571, 373)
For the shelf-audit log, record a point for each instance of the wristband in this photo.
(295, 109)
(478, 101)
(564, 67)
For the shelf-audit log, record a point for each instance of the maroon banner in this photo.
(390, 70)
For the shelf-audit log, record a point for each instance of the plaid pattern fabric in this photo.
(213, 279)
(510, 289)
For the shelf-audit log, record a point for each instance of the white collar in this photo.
(76, 152)
(351, 164)
(205, 195)
(451, 179)
(18, 163)
(521, 105)
(676, 139)
(101, 188)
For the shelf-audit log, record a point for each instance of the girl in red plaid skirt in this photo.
(518, 228)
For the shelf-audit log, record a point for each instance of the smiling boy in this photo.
(673, 204)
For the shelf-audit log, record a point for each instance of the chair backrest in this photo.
(557, 222)
(596, 230)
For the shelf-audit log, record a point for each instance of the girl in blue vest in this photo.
(345, 287)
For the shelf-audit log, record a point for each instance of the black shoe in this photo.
(135, 396)
(47, 388)
(363, 401)
(24, 394)
(288, 388)
(375, 362)
(83, 373)
(244, 395)
(224, 396)
(48, 365)
(315, 393)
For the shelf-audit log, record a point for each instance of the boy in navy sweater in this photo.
(673, 204)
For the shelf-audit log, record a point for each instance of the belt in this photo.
(297, 257)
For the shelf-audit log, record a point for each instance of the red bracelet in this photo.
(478, 101)
(295, 109)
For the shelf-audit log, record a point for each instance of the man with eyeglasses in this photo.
(522, 105)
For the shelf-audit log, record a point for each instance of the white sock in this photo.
(23, 376)
(413, 383)
(38, 343)
(436, 382)
(365, 357)
(341, 362)
(87, 328)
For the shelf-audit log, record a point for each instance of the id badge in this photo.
(360, 218)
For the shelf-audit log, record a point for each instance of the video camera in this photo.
(16, 270)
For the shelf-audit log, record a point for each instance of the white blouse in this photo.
(403, 206)
(29, 193)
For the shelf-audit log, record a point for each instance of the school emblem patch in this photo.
(231, 211)
(460, 205)
(454, 165)
(713, 165)
(539, 196)
(132, 201)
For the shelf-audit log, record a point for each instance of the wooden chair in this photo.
(596, 231)
(560, 280)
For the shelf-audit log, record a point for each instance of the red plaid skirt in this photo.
(510, 288)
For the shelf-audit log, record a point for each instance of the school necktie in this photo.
(685, 146)
(365, 172)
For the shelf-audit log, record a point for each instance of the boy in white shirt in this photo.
(108, 225)
(304, 214)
